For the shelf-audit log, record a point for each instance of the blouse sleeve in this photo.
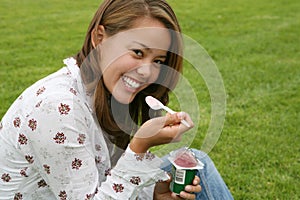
(131, 175)
(61, 148)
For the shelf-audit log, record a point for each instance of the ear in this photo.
(98, 35)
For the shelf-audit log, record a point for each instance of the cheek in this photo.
(110, 77)
(116, 70)
(124, 64)
(154, 74)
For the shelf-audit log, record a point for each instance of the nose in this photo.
(144, 70)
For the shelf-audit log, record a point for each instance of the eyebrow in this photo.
(143, 45)
(148, 48)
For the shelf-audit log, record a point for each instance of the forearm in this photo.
(138, 145)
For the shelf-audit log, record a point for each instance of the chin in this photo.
(124, 99)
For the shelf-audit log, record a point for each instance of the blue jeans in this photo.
(213, 186)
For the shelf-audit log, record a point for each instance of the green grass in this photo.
(255, 45)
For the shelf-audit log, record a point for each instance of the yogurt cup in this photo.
(184, 169)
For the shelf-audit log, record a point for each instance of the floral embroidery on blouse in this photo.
(6, 177)
(98, 159)
(118, 187)
(17, 122)
(76, 163)
(22, 139)
(46, 168)
(81, 138)
(72, 90)
(63, 195)
(108, 172)
(29, 158)
(42, 183)
(38, 104)
(98, 147)
(18, 196)
(32, 124)
(23, 172)
(69, 72)
(60, 138)
(64, 109)
(89, 196)
(135, 180)
(40, 91)
(138, 157)
(149, 156)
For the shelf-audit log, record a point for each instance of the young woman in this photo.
(84, 131)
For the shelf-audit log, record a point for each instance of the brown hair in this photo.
(116, 16)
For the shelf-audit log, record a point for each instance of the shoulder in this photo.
(60, 91)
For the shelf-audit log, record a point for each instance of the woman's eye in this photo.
(139, 53)
(159, 62)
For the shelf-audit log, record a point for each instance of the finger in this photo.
(182, 128)
(176, 196)
(172, 119)
(185, 195)
(187, 118)
(174, 128)
(193, 188)
(151, 127)
(196, 180)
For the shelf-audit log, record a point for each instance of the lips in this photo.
(131, 83)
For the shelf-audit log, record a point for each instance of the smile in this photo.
(131, 83)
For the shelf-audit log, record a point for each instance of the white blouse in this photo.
(51, 147)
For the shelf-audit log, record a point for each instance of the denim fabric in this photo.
(213, 186)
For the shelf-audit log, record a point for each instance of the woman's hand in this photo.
(162, 191)
(160, 130)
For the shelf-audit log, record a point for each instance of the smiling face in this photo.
(131, 60)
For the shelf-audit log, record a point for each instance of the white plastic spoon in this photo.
(155, 104)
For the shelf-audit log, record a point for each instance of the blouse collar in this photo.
(75, 73)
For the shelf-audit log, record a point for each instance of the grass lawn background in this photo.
(255, 45)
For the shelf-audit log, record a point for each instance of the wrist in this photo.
(137, 145)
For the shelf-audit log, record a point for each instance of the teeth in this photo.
(131, 83)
